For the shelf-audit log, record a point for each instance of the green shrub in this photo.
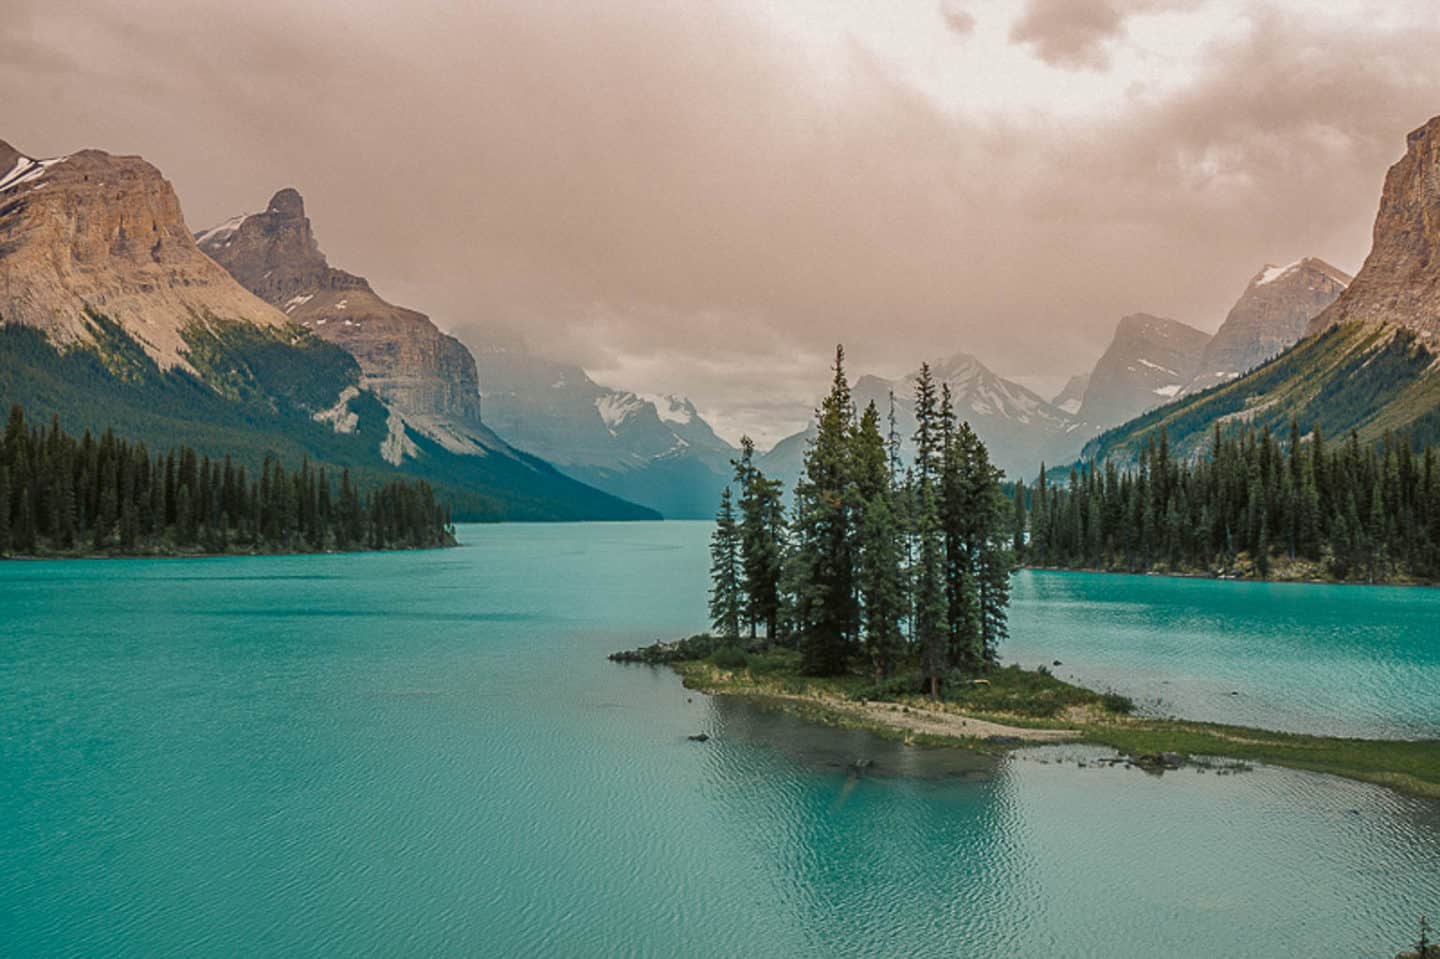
(1117, 703)
(729, 657)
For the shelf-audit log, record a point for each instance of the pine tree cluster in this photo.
(1353, 511)
(63, 495)
(877, 560)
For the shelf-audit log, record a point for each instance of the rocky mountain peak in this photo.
(287, 204)
(428, 376)
(274, 254)
(1271, 315)
(96, 232)
(1148, 362)
(1399, 283)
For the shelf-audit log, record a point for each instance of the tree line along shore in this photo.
(1252, 507)
(104, 496)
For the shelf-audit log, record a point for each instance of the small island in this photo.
(63, 497)
(879, 599)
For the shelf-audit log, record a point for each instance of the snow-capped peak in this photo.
(1273, 273)
(671, 408)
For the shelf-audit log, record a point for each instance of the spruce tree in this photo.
(879, 547)
(762, 541)
(824, 527)
(726, 601)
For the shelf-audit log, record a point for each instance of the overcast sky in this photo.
(703, 196)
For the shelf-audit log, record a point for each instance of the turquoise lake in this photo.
(427, 754)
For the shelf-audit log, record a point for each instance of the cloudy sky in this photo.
(703, 196)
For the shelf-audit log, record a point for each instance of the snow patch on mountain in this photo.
(223, 234)
(1273, 273)
(27, 170)
(671, 408)
(617, 407)
(1156, 366)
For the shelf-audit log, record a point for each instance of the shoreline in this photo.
(1235, 578)
(1410, 767)
(201, 554)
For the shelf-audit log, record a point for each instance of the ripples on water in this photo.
(426, 754)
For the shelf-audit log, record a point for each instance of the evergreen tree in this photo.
(762, 542)
(827, 607)
(879, 547)
(726, 602)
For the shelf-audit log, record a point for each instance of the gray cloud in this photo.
(957, 18)
(1069, 33)
(665, 192)
(1080, 34)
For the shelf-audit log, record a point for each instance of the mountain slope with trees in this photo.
(1369, 362)
(65, 496)
(110, 316)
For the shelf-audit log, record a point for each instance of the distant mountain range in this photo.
(244, 338)
(1368, 362)
(654, 450)
(113, 316)
(1149, 362)
(1019, 427)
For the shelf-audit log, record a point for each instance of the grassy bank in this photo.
(1011, 706)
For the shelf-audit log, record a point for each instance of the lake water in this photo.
(427, 754)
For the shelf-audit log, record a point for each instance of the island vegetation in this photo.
(904, 567)
(1252, 507)
(63, 496)
(880, 599)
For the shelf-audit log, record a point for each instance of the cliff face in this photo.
(1399, 284)
(103, 233)
(1271, 316)
(428, 376)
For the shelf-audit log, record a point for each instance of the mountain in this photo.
(1069, 399)
(1149, 360)
(656, 451)
(91, 232)
(1368, 362)
(1399, 283)
(1019, 428)
(653, 450)
(1270, 316)
(110, 315)
(428, 376)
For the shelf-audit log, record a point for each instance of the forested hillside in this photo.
(1255, 505)
(105, 495)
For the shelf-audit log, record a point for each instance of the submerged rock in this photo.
(699, 738)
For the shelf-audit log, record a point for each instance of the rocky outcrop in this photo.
(1399, 283)
(93, 233)
(1148, 362)
(1270, 317)
(428, 376)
